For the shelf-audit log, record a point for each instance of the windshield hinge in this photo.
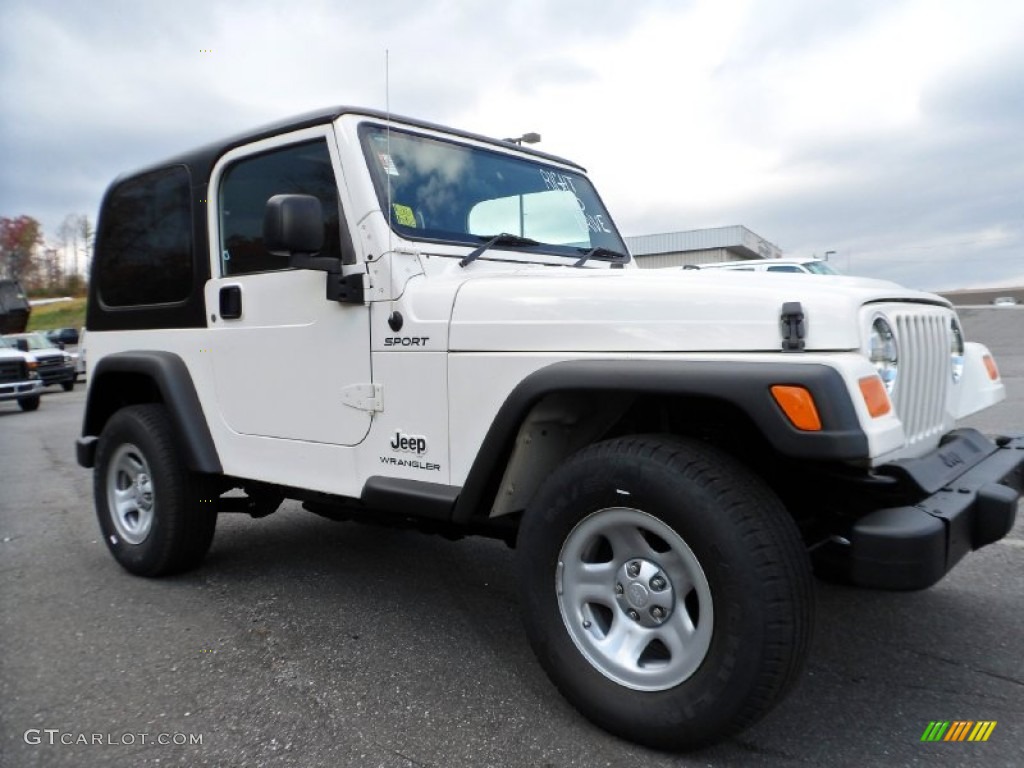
(793, 327)
(364, 397)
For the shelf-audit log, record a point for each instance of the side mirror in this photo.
(293, 225)
(21, 344)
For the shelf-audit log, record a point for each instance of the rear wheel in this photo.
(155, 514)
(666, 590)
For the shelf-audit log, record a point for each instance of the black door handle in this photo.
(231, 302)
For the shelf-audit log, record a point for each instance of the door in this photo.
(281, 353)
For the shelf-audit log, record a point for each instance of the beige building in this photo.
(700, 246)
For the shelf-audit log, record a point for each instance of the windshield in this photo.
(820, 268)
(35, 340)
(443, 191)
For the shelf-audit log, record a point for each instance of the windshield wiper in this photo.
(613, 256)
(503, 239)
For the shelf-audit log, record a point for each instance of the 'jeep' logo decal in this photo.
(411, 443)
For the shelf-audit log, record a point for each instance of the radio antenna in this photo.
(387, 176)
(387, 134)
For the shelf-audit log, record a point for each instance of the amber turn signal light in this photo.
(798, 405)
(875, 397)
(990, 366)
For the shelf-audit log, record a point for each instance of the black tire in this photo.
(758, 590)
(164, 522)
(29, 403)
(67, 386)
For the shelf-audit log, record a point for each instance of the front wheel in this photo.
(666, 591)
(29, 403)
(155, 514)
(67, 386)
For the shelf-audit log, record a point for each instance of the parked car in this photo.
(805, 266)
(63, 335)
(1004, 301)
(55, 365)
(19, 378)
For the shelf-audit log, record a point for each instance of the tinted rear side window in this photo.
(144, 248)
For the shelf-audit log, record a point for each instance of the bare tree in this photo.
(76, 236)
(67, 234)
(52, 272)
(88, 238)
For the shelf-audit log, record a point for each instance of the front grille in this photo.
(50, 363)
(12, 370)
(924, 372)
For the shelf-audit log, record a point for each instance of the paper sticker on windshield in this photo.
(404, 215)
(387, 163)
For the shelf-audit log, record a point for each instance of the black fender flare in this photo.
(170, 376)
(745, 385)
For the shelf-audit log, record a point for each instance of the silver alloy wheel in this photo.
(130, 499)
(634, 599)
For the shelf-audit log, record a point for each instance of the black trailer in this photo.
(14, 307)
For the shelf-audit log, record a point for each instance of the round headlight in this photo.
(884, 352)
(956, 349)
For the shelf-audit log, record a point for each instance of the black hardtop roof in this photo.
(200, 161)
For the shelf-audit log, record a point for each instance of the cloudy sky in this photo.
(888, 131)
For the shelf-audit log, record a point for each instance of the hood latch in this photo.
(792, 323)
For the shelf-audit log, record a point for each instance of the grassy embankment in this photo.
(63, 314)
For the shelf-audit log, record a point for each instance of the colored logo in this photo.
(958, 730)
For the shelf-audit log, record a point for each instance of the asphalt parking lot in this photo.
(310, 643)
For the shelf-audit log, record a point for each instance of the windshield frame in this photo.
(610, 238)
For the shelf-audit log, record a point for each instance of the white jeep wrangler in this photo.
(403, 324)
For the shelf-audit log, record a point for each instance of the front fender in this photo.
(977, 389)
(742, 384)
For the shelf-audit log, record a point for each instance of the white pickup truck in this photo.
(19, 377)
(404, 324)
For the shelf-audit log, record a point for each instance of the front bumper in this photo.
(971, 488)
(57, 375)
(20, 389)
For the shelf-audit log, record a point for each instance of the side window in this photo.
(785, 268)
(144, 246)
(248, 184)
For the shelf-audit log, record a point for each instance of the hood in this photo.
(637, 310)
(14, 354)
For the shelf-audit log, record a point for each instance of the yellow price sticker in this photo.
(404, 215)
